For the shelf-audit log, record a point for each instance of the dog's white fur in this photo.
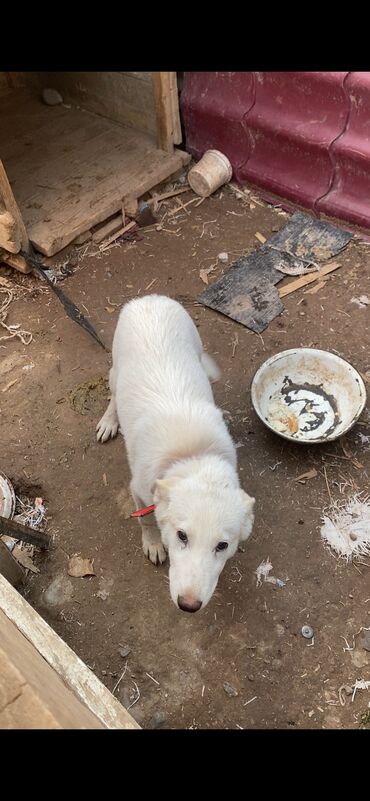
(180, 452)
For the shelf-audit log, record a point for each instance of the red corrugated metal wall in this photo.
(304, 136)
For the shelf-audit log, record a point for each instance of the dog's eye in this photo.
(182, 536)
(222, 546)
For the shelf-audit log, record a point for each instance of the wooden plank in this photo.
(176, 122)
(163, 107)
(78, 677)
(307, 279)
(32, 695)
(10, 238)
(15, 260)
(9, 566)
(23, 112)
(119, 96)
(7, 200)
(118, 233)
(100, 200)
(73, 171)
(109, 228)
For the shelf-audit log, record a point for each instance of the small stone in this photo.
(103, 594)
(124, 651)
(157, 719)
(51, 97)
(230, 690)
(223, 257)
(307, 632)
(365, 640)
(59, 592)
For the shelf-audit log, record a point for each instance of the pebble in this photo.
(365, 640)
(230, 690)
(59, 592)
(223, 257)
(124, 651)
(307, 632)
(51, 97)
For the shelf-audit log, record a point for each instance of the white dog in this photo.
(180, 452)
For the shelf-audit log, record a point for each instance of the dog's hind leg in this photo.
(210, 367)
(108, 425)
(151, 535)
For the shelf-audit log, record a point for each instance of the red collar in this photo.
(142, 512)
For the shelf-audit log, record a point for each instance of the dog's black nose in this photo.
(187, 604)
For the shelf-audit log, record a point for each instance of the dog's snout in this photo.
(187, 604)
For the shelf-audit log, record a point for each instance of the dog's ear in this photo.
(248, 519)
(161, 490)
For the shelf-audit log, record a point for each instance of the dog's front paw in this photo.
(154, 549)
(107, 427)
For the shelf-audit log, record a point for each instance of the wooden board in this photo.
(176, 122)
(9, 567)
(123, 97)
(70, 668)
(17, 234)
(164, 110)
(32, 695)
(69, 169)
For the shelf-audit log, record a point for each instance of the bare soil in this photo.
(247, 637)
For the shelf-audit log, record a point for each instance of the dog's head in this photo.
(201, 527)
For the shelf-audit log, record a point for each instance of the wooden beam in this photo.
(176, 122)
(8, 201)
(9, 566)
(10, 238)
(164, 110)
(32, 695)
(78, 677)
(15, 260)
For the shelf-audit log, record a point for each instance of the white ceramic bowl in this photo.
(7, 497)
(308, 395)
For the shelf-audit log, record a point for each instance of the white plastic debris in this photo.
(31, 515)
(346, 529)
(360, 685)
(263, 571)
(361, 302)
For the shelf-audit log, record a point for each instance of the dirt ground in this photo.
(248, 637)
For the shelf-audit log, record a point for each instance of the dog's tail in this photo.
(210, 367)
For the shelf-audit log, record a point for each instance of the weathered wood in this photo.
(130, 205)
(117, 234)
(299, 283)
(15, 260)
(32, 695)
(9, 566)
(24, 533)
(124, 97)
(8, 201)
(164, 110)
(10, 238)
(109, 228)
(78, 677)
(176, 122)
(75, 169)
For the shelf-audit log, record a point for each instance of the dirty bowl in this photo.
(308, 395)
(7, 497)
